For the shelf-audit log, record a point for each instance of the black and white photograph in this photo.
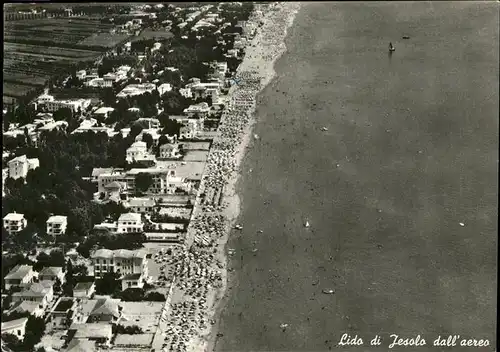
(250, 176)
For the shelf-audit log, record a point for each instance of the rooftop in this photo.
(37, 289)
(57, 218)
(83, 286)
(141, 202)
(81, 345)
(91, 330)
(134, 340)
(103, 110)
(19, 272)
(12, 324)
(51, 270)
(64, 304)
(106, 306)
(132, 277)
(130, 217)
(14, 217)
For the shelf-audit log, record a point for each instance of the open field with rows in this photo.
(36, 49)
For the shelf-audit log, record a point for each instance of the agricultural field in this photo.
(36, 49)
(153, 34)
(105, 40)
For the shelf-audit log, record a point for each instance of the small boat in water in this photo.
(328, 292)
(391, 48)
(406, 37)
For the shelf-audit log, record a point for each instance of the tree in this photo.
(68, 285)
(148, 139)
(57, 285)
(63, 114)
(131, 295)
(80, 270)
(143, 181)
(43, 260)
(155, 297)
(171, 128)
(108, 284)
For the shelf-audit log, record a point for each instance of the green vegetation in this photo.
(108, 284)
(139, 294)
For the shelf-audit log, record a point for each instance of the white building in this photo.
(140, 205)
(163, 179)
(15, 327)
(170, 151)
(56, 225)
(163, 88)
(186, 92)
(149, 122)
(138, 151)
(190, 129)
(121, 261)
(49, 103)
(201, 110)
(103, 112)
(14, 222)
(130, 222)
(136, 89)
(81, 74)
(20, 275)
(19, 167)
(206, 90)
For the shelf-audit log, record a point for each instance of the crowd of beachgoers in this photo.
(200, 272)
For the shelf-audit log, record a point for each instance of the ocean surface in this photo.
(401, 192)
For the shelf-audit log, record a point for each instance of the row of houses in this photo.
(15, 222)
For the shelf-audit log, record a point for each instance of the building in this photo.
(137, 151)
(130, 222)
(62, 314)
(52, 273)
(81, 345)
(132, 281)
(100, 333)
(140, 205)
(161, 179)
(121, 261)
(136, 89)
(189, 130)
(81, 74)
(170, 151)
(19, 167)
(73, 104)
(148, 122)
(15, 327)
(14, 222)
(205, 90)
(200, 110)
(33, 308)
(105, 310)
(164, 88)
(56, 225)
(84, 290)
(20, 275)
(41, 292)
(58, 125)
(103, 113)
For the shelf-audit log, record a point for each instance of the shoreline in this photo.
(252, 61)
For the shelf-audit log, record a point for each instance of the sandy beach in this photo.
(196, 307)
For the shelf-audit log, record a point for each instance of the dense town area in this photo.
(114, 170)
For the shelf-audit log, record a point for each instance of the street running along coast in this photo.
(213, 221)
